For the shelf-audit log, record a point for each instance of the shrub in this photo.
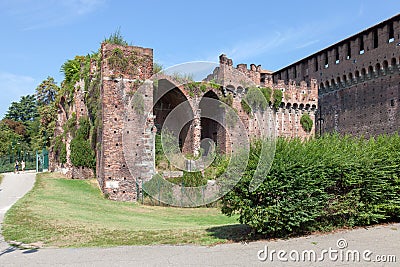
(321, 184)
(277, 97)
(306, 122)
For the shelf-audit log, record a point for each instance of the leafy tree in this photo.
(24, 110)
(71, 70)
(16, 126)
(46, 92)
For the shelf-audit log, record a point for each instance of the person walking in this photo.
(16, 170)
(23, 166)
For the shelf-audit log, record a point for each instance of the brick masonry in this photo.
(358, 79)
(352, 85)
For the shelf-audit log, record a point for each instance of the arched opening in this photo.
(370, 71)
(322, 86)
(301, 106)
(393, 62)
(344, 78)
(350, 77)
(338, 81)
(211, 113)
(363, 73)
(385, 66)
(166, 102)
(333, 82)
(240, 90)
(327, 84)
(231, 88)
(378, 68)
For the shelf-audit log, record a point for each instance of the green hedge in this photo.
(321, 184)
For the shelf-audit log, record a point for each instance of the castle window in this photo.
(326, 60)
(316, 63)
(392, 102)
(375, 36)
(348, 51)
(337, 55)
(361, 42)
(391, 32)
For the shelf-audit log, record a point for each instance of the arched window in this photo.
(363, 73)
(370, 71)
(393, 62)
(350, 77)
(378, 68)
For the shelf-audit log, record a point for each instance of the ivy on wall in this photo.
(306, 122)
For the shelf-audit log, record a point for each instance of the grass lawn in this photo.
(73, 213)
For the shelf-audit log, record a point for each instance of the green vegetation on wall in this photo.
(82, 153)
(277, 98)
(306, 122)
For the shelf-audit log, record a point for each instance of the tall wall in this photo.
(358, 80)
(299, 98)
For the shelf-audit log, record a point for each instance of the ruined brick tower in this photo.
(123, 70)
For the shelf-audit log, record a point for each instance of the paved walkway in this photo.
(13, 187)
(371, 244)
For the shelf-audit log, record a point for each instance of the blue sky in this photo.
(39, 36)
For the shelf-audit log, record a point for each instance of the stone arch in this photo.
(295, 106)
(240, 90)
(211, 128)
(350, 77)
(231, 88)
(385, 65)
(301, 106)
(378, 68)
(308, 106)
(344, 78)
(165, 103)
(322, 86)
(357, 74)
(288, 106)
(393, 62)
(370, 71)
(327, 84)
(363, 73)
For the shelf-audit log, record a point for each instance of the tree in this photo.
(25, 110)
(46, 92)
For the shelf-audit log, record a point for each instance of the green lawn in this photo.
(73, 213)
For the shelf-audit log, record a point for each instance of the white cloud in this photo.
(33, 15)
(12, 87)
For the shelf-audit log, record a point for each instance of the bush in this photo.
(321, 184)
(277, 96)
(82, 154)
(306, 122)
